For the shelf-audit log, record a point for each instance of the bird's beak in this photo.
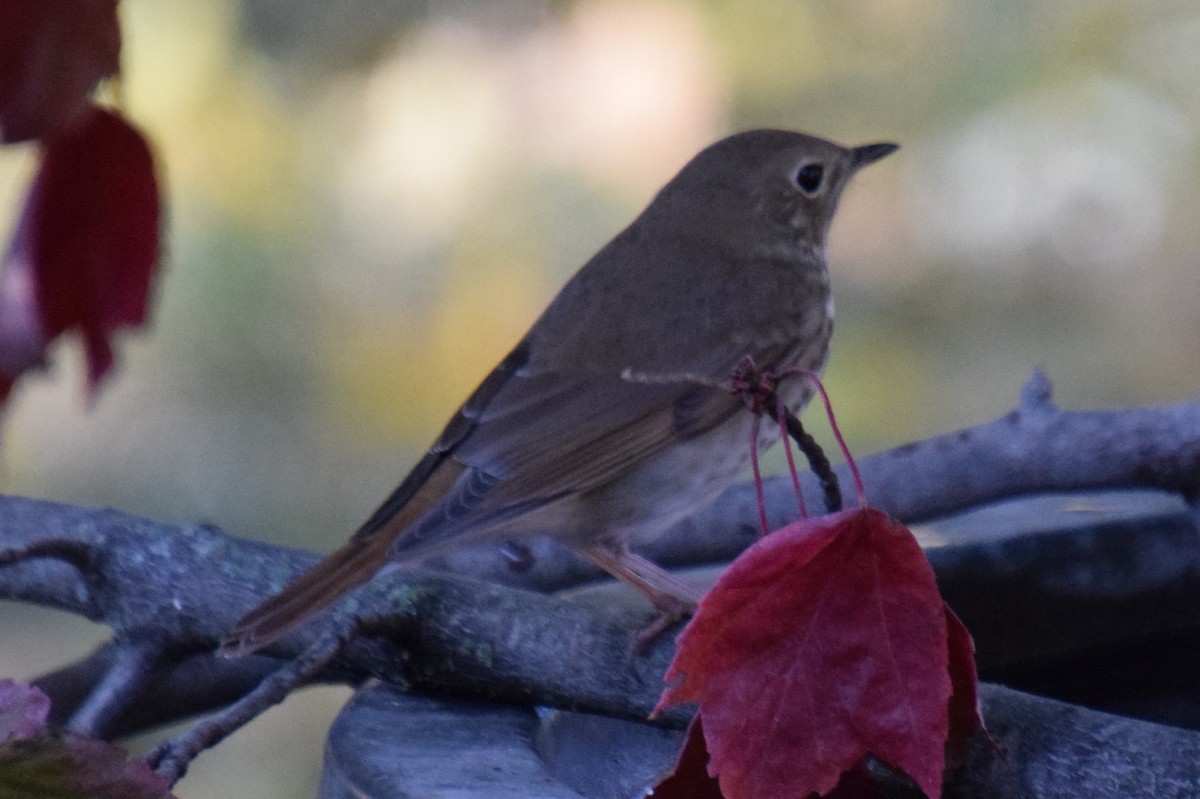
(870, 153)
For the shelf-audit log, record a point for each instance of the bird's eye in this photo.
(809, 178)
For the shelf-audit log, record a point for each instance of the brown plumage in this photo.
(609, 421)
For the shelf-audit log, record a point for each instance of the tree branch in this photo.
(170, 593)
(1036, 448)
(1051, 749)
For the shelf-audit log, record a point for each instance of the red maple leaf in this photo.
(824, 643)
(689, 777)
(86, 246)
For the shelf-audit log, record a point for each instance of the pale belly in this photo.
(680, 481)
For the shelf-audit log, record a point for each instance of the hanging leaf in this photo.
(52, 55)
(823, 643)
(86, 246)
(689, 779)
(966, 716)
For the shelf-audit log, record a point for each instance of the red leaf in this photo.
(823, 643)
(52, 55)
(966, 716)
(690, 779)
(857, 783)
(23, 710)
(35, 763)
(88, 238)
(75, 767)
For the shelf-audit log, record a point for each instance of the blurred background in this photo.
(370, 201)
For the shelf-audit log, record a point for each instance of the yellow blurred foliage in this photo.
(396, 381)
(223, 134)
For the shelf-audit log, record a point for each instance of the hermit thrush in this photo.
(612, 418)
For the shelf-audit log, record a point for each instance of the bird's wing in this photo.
(523, 439)
(526, 439)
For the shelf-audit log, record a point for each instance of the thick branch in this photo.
(180, 589)
(1036, 448)
(1043, 749)
(172, 592)
(1050, 749)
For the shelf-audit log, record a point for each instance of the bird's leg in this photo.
(674, 599)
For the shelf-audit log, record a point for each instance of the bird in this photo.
(612, 418)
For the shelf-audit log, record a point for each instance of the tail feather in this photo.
(315, 590)
(353, 564)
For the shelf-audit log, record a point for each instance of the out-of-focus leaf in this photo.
(34, 764)
(23, 710)
(74, 767)
(86, 246)
(52, 55)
